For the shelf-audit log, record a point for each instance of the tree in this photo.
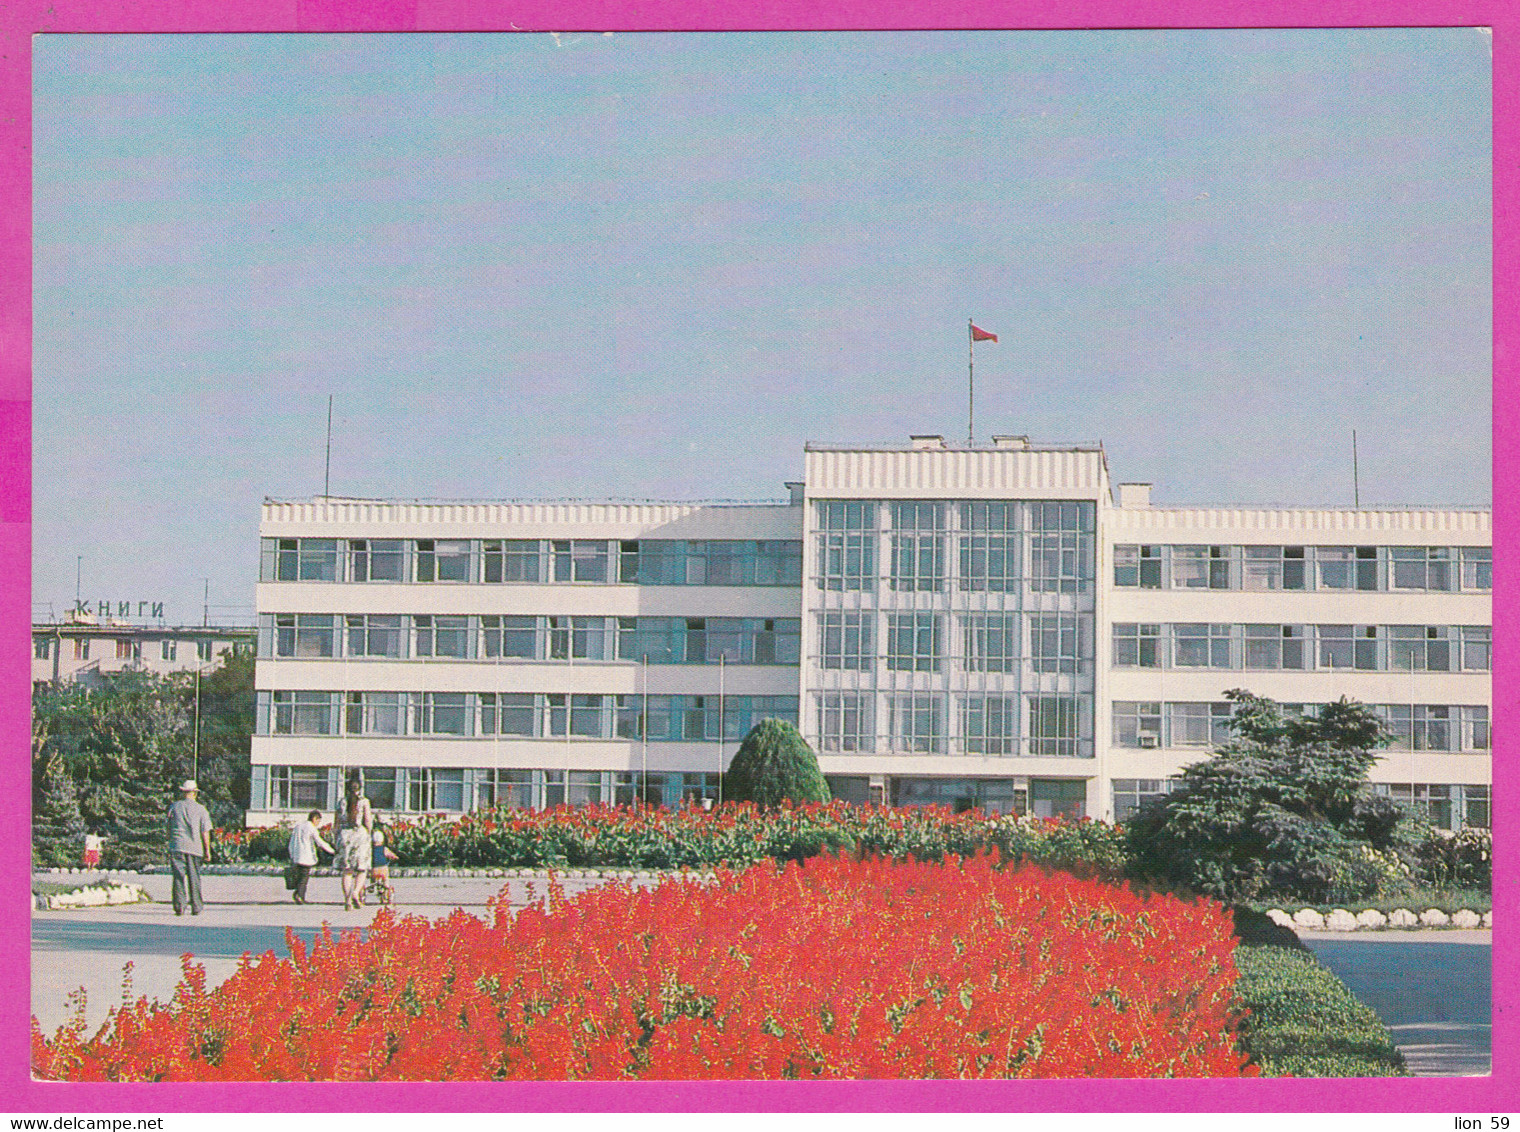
(773, 765)
(1283, 808)
(58, 827)
(226, 733)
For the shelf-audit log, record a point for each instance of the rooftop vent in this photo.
(794, 493)
(1018, 443)
(1134, 495)
(927, 441)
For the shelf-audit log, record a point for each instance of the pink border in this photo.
(21, 18)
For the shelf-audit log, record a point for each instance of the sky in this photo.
(653, 266)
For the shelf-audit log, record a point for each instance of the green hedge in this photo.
(1416, 900)
(1303, 1021)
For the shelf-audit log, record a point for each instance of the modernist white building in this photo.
(995, 626)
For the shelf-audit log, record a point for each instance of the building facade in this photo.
(85, 650)
(994, 626)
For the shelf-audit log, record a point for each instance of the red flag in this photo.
(980, 335)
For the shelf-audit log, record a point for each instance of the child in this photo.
(380, 866)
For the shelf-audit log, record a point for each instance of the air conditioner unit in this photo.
(1150, 740)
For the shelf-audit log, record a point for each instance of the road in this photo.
(1434, 989)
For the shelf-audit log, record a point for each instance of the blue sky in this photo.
(652, 266)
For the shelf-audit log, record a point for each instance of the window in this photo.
(376, 560)
(510, 560)
(1197, 725)
(1060, 547)
(42, 648)
(1137, 724)
(306, 560)
(1201, 567)
(1419, 567)
(1477, 568)
(301, 788)
(660, 640)
(508, 789)
(305, 713)
(846, 722)
(1057, 641)
(203, 651)
(1057, 797)
(305, 635)
(1431, 728)
(507, 713)
(375, 634)
(846, 544)
(379, 786)
(579, 560)
(989, 551)
(442, 713)
(918, 546)
(377, 713)
(990, 725)
(1419, 648)
(1475, 732)
(777, 640)
(128, 650)
(514, 637)
(1367, 568)
(1347, 646)
(441, 636)
(1057, 727)
(1334, 567)
(1132, 793)
(1138, 566)
(81, 648)
(435, 788)
(1274, 646)
(844, 640)
(577, 638)
(1137, 645)
(992, 642)
(918, 723)
(913, 642)
(585, 715)
(1476, 648)
(443, 560)
(1432, 802)
(1272, 568)
(778, 562)
(1201, 646)
(1475, 809)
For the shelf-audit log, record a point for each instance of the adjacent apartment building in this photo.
(86, 650)
(993, 626)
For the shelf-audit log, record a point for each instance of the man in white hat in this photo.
(189, 845)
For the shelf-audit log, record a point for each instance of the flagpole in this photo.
(970, 385)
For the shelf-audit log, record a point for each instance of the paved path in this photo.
(1434, 990)
(89, 947)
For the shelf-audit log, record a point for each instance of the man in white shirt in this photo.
(189, 844)
(305, 840)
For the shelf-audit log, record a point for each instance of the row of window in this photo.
(1042, 562)
(988, 642)
(516, 714)
(1036, 726)
(648, 562)
(1414, 727)
(127, 648)
(1002, 516)
(1446, 806)
(1372, 648)
(1413, 569)
(458, 789)
(660, 640)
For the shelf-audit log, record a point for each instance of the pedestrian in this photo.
(380, 866)
(305, 840)
(353, 824)
(92, 844)
(189, 846)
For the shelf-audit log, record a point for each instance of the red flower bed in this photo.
(833, 968)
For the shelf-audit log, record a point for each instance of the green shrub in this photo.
(1302, 1021)
(773, 765)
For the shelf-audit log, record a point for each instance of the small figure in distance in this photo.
(92, 844)
(305, 840)
(380, 867)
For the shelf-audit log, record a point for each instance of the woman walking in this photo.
(354, 823)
